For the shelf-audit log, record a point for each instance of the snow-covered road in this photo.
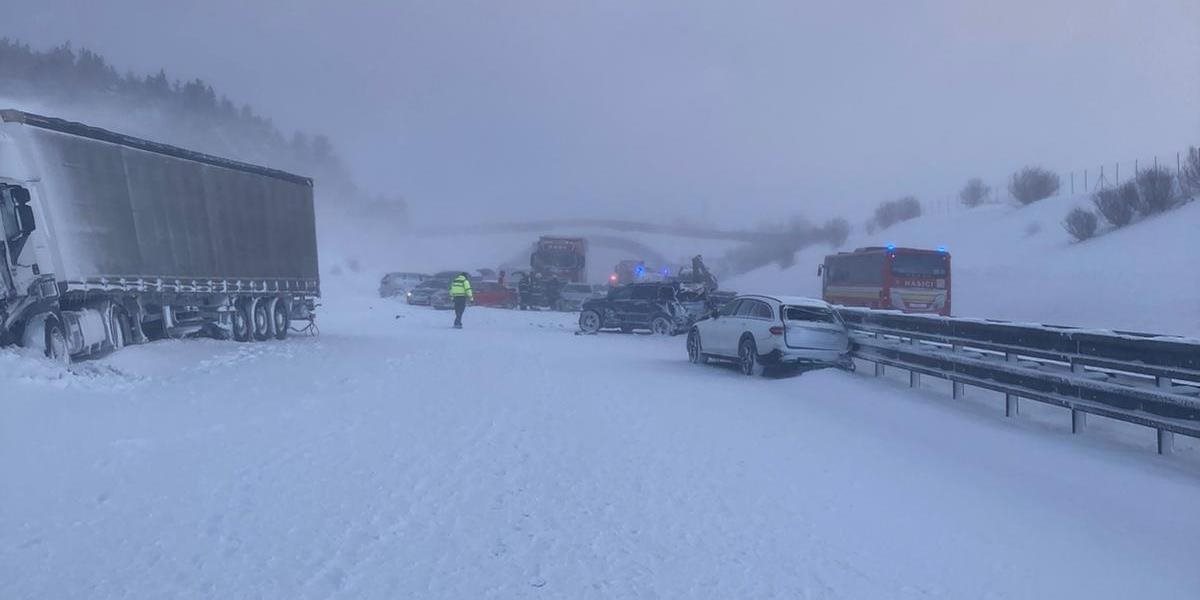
(395, 458)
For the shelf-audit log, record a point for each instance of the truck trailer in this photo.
(111, 240)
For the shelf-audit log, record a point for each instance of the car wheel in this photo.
(589, 321)
(662, 326)
(694, 348)
(748, 358)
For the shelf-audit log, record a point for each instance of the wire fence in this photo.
(1077, 182)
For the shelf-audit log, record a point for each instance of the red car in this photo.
(490, 293)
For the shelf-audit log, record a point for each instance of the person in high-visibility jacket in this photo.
(460, 293)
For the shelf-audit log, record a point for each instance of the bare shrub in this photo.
(1080, 223)
(1032, 184)
(1156, 191)
(974, 193)
(894, 211)
(1117, 205)
(1189, 173)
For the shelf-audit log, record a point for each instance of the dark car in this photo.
(652, 306)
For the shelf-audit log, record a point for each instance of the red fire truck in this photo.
(913, 280)
(562, 257)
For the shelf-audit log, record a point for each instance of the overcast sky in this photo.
(610, 108)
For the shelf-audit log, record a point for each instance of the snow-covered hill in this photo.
(1017, 263)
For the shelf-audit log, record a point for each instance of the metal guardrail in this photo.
(1145, 379)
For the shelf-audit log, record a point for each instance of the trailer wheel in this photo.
(240, 324)
(56, 342)
(120, 331)
(260, 319)
(281, 317)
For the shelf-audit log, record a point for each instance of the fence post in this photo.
(1118, 180)
(1085, 180)
(1072, 183)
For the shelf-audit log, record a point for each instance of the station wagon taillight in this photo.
(777, 330)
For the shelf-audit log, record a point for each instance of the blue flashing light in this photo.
(942, 249)
(666, 271)
(891, 247)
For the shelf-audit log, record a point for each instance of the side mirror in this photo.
(820, 270)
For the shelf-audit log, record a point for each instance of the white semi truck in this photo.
(108, 240)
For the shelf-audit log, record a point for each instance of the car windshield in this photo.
(811, 314)
(919, 265)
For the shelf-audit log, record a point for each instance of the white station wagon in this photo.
(760, 332)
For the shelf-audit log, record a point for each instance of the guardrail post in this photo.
(914, 379)
(1164, 382)
(956, 390)
(1078, 420)
(1076, 366)
(1012, 403)
(1166, 441)
(879, 369)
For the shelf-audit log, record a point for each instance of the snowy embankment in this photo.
(395, 458)
(1017, 263)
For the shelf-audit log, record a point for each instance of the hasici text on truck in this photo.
(109, 240)
(564, 258)
(912, 280)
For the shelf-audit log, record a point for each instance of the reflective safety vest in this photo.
(461, 286)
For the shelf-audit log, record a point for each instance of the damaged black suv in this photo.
(653, 306)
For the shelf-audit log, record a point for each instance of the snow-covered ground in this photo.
(393, 457)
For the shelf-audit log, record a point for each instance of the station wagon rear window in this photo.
(812, 314)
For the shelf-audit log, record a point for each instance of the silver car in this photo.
(399, 284)
(762, 332)
(573, 295)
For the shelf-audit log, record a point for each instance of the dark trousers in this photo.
(460, 305)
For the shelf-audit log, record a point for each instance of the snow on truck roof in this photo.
(104, 135)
